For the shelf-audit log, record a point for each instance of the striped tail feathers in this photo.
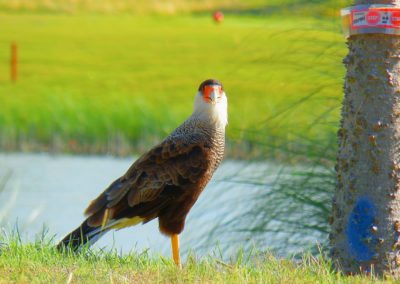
(88, 235)
(81, 236)
(90, 231)
(102, 219)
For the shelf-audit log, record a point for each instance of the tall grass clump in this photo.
(288, 213)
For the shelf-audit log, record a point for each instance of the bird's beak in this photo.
(213, 97)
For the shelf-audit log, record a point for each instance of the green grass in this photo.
(40, 263)
(298, 7)
(90, 82)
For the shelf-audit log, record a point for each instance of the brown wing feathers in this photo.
(163, 183)
(173, 163)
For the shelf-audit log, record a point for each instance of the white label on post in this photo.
(364, 19)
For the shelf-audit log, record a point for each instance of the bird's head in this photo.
(211, 102)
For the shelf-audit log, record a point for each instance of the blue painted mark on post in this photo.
(361, 240)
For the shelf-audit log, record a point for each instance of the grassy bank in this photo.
(106, 83)
(41, 263)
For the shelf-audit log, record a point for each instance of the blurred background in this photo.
(92, 84)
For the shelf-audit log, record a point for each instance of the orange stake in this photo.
(14, 61)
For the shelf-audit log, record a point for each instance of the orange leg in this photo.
(175, 250)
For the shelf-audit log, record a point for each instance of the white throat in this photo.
(216, 114)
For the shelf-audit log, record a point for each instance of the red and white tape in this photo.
(364, 19)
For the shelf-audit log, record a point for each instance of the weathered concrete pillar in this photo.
(365, 232)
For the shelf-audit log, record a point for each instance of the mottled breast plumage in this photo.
(213, 136)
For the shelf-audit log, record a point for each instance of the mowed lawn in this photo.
(41, 263)
(124, 79)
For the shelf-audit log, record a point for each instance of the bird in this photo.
(166, 181)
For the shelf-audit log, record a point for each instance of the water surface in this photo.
(53, 191)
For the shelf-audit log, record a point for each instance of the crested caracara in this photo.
(166, 181)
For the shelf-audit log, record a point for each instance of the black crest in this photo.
(210, 82)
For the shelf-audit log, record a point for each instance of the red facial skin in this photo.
(208, 90)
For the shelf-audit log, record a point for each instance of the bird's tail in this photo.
(81, 236)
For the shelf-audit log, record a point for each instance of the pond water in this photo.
(53, 191)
